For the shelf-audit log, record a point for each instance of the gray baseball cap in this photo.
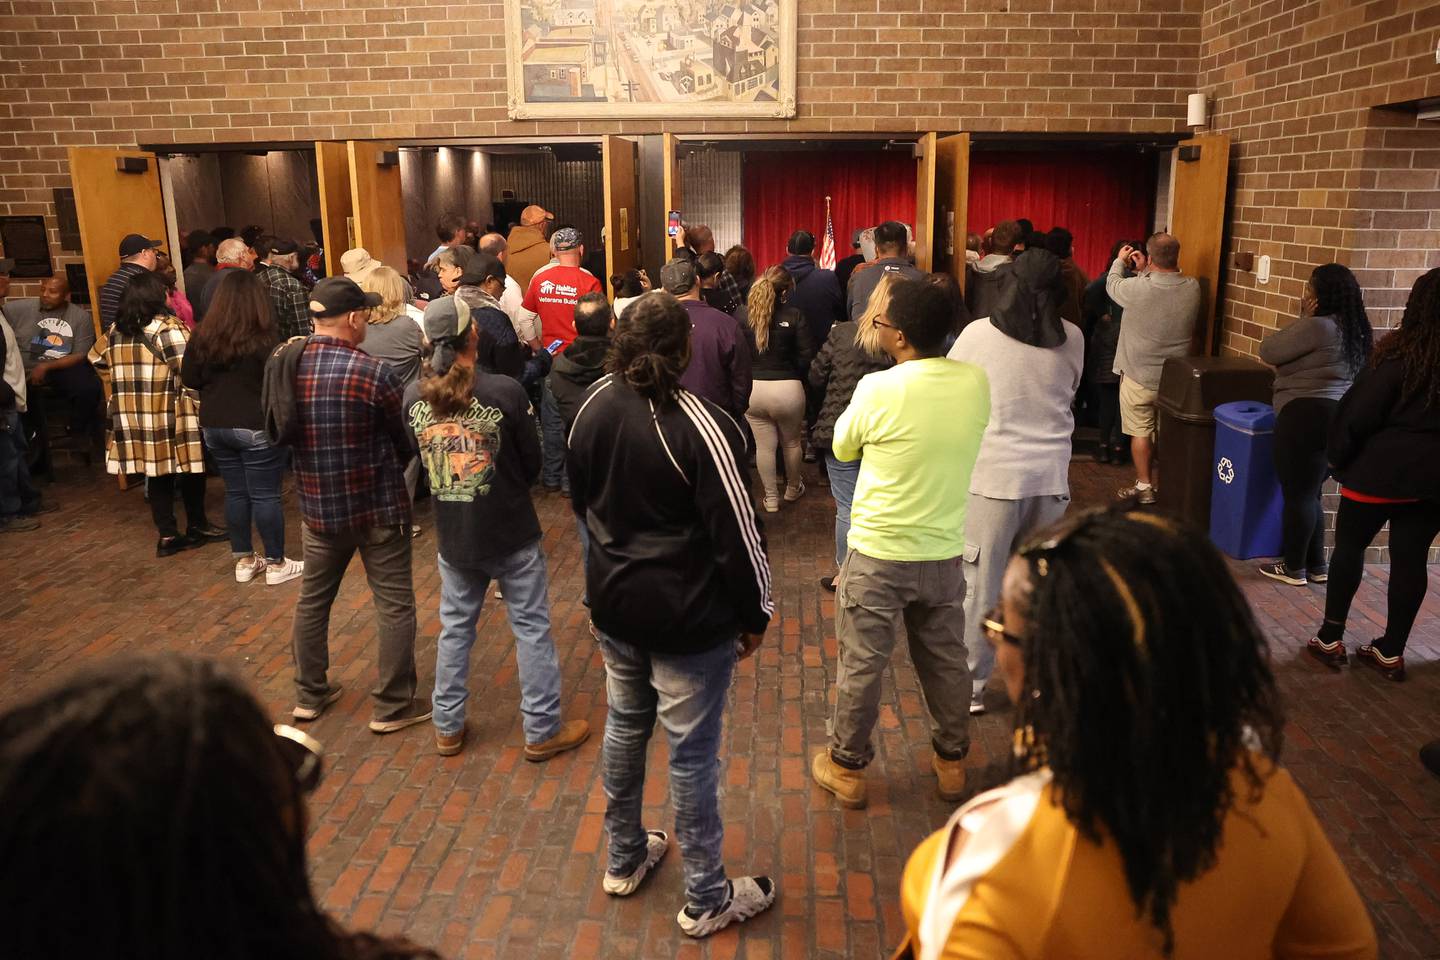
(446, 318)
(678, 276)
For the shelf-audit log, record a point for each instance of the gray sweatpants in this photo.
(873, 599)
(993, 529)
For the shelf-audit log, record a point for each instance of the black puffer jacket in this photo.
(836, 370)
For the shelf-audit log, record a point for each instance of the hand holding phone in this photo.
(553, 347)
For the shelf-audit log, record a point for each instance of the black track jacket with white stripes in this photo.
(677, 553)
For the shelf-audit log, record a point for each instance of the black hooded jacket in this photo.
(580, 365)
(677, 555)
(817, 295)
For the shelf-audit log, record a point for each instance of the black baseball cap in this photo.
(334, 296)
(482, 267)
(136, 243)
(282, 247)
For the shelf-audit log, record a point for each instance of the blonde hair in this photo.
(386, 282)
(867, 335)
(764, 296)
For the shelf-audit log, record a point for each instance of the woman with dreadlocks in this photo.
(1148, 815)
(1315, 359)
(151, 810)
(1385, 451)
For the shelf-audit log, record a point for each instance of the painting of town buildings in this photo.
(643, 58)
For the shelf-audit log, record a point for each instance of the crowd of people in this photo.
(945, 416)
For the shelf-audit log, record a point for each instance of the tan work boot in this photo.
(951, 777)
(847, 785)
(572, 734)
(449, 744)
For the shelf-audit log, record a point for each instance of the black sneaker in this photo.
(827, 584)
(1282, 573)
(1320, 574)
(417, 712)
(18, 524)
(747, 897)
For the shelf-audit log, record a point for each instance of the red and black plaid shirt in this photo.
(352, 447)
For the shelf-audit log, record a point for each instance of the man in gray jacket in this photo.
(1161, 308)
(892, 246)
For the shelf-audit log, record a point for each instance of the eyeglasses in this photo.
(994, 624)
(882, 323)
(304, 755)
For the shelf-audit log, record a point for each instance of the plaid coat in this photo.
(154, 421)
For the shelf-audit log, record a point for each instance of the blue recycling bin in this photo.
(1245, 499)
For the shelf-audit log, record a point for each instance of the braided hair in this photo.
(1147, 693)
(1337, 295)
(651, 347)
(150, 812)
(1416, 345)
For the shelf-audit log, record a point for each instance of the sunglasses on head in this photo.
(303, 754)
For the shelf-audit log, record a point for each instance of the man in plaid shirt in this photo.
(349, 462)
(287, 293)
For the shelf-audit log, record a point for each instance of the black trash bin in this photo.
(1190, 390)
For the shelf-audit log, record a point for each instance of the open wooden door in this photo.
(622, 228)
(952, 205)
(674, 197)
(925, 201)
(378, 206)
(332, 172)
(1197, 220)
(117, 192)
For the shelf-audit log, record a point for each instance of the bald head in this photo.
(1164, 252)
(700, 238)
(493, 244)
(54, 293)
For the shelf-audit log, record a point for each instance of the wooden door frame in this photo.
(620, 229)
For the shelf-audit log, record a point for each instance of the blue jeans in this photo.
(462, 596)
(552, 441)
(688, 693)
(843, 474)
(253, 470)
(17, 493)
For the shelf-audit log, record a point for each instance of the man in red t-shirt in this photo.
(551, 297)
(557, 286)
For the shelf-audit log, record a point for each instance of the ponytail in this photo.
(765, 294)
(651, 347)
(448, 393)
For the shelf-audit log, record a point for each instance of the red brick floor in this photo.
(484, 855)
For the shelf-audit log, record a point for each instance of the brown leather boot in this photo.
(847, 785)
(951, 777)
(572, 734)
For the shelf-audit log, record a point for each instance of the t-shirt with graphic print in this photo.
(481, 464)
(45, 335)
(552, 295)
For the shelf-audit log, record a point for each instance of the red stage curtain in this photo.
(785, 191)
(1099, 196)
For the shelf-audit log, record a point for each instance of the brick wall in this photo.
(124, 72)
(1318, 174)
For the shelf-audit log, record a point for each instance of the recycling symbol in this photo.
(1226, 470)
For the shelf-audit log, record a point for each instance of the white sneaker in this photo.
(977, 705)
(794, 493)
(748, 896)
(247, 568)
(655, 846)
(283, 571)
(772, 504)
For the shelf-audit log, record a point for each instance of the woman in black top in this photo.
(225, 363)
(1385, 451)
(781, 349)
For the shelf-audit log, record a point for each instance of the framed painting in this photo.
(598, 59)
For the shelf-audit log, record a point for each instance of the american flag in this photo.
(827, 246)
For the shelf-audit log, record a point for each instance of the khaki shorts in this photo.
(1137, 408)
